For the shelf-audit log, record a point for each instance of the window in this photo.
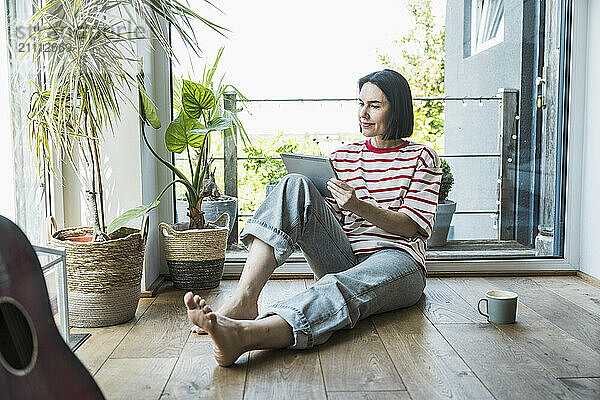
(28, 200)
(487, 24)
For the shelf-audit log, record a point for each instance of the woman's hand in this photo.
(344, 195)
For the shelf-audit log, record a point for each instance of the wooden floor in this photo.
(441, 348)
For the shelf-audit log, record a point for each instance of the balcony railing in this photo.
(508, 118)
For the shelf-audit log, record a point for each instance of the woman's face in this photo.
(373, 110)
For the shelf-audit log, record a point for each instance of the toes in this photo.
(206, 309)
(212, 317)
(196, 329)
(189, 302)
(202, 303)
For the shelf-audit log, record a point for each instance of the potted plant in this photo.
(195, 250)
(268, 169)
(445, 209)
(84, 50)
(215, 203)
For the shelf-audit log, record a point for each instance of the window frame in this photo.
(477, 10)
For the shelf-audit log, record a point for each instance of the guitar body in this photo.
(35, 362)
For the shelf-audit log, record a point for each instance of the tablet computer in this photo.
(318, 169)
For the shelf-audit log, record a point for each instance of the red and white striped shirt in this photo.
(405, 179)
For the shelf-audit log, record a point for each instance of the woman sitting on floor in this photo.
(366, 245)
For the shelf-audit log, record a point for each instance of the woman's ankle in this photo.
(271, 332)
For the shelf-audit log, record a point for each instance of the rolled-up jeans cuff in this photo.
(303, 336)
(282, 243)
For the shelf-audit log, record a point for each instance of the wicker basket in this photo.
(195, 257)
(103, 278)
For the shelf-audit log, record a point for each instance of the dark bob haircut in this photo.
(396, 89)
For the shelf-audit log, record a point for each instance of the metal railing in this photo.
(507, 129)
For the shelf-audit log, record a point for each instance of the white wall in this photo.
(155, 176)
(590, 193)
(131, 174)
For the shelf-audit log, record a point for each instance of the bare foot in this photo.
(226, 333)
(235, 308)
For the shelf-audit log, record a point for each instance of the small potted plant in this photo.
(445, 209)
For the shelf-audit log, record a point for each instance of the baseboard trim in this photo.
(277, 276)
(544, 267)
(152, 290)
(588, 278)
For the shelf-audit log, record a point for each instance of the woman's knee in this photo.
(294, 180)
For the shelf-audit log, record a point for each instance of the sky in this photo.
(308, 49)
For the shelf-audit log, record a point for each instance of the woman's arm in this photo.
(390, 221)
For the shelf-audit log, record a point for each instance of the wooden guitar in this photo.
(35, 362)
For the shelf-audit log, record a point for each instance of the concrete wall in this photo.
(472, 127)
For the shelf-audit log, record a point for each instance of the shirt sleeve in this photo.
(421, 199)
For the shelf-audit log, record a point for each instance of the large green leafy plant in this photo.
(85, 50)
(201, 111)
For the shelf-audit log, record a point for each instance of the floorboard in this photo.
(441, 348)
(197, 375)
(565, 314)
(573, 289)
(134, 378)
(556, 350)
(356, 360)
(586, 388)
(441, 305)
(100, 345)
(283, 373)
(160, 333)
(506, 370)
(392, 395)
(428, 365)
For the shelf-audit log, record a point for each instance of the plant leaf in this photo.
(195, 98)
(128, 215)
(217, 124)
(148, 110)
(183, 132)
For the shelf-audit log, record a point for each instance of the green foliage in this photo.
(186, 131)
(207, 80)
(201, 111)
(447, 181)
(195, 98)
(268, 169)
(252, 181)
(422, 64)
(179, 134)
(127, 216)
(147, 109)
(84, 50)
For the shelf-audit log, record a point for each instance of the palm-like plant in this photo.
(86, 50)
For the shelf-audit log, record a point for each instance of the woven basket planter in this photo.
(195, 257)
(103, 278)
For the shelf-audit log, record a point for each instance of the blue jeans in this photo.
(350, 287)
